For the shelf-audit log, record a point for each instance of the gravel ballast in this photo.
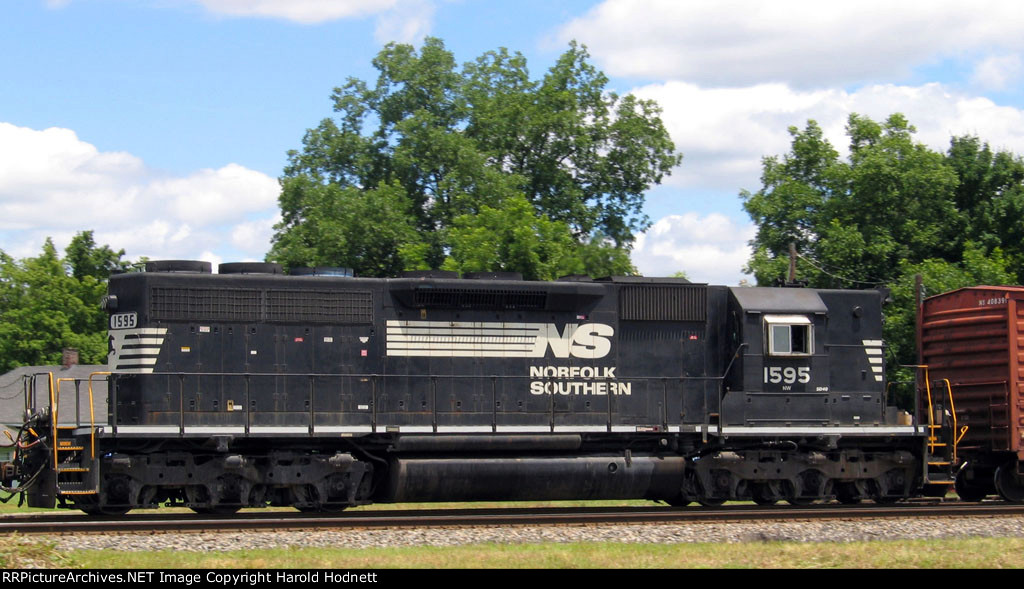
(795, 531)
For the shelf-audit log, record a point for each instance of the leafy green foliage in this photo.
(892, 210)
(513, 237)
(49, 303)
(372, 231)
(432, 164)
(937, 276)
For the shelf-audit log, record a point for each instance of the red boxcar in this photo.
(971, 347)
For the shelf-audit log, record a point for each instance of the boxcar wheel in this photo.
(969, 490)
(1007, 483)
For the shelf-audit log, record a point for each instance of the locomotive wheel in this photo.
(968, 491)
(217, 509)
(692, 487)
(198, 497)
(847, 493)
(878, 496)
(711, 501)
(678, 501)
(91, 506)
(321, 508)
(766, 493)
(104, 510)
(792, 493)
(1007, 484)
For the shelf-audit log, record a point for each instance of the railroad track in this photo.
(46, 523)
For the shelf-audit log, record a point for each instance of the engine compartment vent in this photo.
(468, 298)
(179, 266)
(323, 271)
(492, 276)
(250, 268)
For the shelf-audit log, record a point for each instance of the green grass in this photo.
(18, 552)
(12, 507)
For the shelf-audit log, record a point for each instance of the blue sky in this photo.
(163, 125)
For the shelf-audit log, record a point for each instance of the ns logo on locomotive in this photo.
(250, 388)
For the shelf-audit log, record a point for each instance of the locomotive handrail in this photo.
(92, 413)
(410, 375)
(53, 421)
(714, 418)
(55, 409)
(721, 392)
(55, 412)
(735, 355)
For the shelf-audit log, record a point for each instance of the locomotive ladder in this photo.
(75, 466)
(943, 435)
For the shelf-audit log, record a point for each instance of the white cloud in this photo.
(724, 132)
(711, 248)
(403, 21)
(53, 184)
(213, 259)
(806, 43)
(998, 71)
(225, 194)
(301, 11)
(407, 22)
(254, 235)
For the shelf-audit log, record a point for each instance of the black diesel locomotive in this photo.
(251, 388)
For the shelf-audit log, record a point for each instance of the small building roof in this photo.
(15, 384)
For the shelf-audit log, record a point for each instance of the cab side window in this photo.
(789, 335)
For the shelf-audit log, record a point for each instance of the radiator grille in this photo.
(207, 304)
(261, 306)
(326, 306)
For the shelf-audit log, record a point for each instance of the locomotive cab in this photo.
(807, 358)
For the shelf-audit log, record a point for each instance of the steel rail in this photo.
(284, 520)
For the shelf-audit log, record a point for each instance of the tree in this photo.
(513, 237)
(371, 231)
(86, 259)
(890, 204)
(990, 194)
(47, 307)
(894, 209)
(448, 145)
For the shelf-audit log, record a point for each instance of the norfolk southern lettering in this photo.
(577, 380)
